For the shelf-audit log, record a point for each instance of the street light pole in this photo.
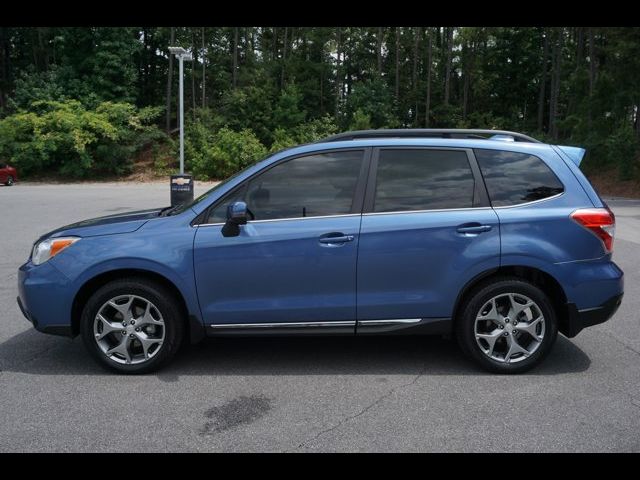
(180, 62)
(182, 55)
(181, 185)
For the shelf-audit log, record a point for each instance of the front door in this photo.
(294, 265)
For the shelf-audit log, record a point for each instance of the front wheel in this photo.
(507, 326)
(9, 181)
(132, 325)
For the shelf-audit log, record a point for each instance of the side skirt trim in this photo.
(405, 326)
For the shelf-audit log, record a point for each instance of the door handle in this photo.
(474, 228)
(332, 239)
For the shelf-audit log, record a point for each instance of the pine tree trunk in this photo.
(235, 58)
(4, 66)
(427, 104)
(204, 76)
(172, 40)
(579, 47)
(552, 90)
(555, 84)
(447, 76)
(397, 92)
(467, 55)
(543, 80)
(414, 76)
(338, 72)
(379, 51)
(274, 52)
(592, 73)
(193, 73)
(284, 57)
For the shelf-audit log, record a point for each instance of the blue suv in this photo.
(489, 236)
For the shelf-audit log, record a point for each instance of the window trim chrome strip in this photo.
(557, 195)
(283, 219)
(427, 211)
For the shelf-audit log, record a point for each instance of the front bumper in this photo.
(580, 319)
(44, 298)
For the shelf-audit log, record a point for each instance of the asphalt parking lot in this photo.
(305, 394)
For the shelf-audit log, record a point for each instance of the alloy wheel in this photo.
(129, 329)
(509, 328)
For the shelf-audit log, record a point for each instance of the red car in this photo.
(8, 174)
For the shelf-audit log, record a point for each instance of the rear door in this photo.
(427, 229)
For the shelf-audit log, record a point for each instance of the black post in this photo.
(181, 189)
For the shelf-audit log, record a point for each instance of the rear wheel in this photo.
(9, 181)
(507, 326)
(132, 325)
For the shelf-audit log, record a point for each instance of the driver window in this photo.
(311, 186)
(219, 213)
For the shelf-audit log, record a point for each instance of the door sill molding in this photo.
(283, 328)
(402, 326)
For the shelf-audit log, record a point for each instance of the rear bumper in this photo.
(580, 319)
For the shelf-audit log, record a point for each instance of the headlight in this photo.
(50, 247)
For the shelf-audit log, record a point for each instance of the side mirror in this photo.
(236, 216)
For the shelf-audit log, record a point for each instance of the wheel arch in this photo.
(543, 280)
(193, 326)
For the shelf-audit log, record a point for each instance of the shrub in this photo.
(65, 137)
(220, 154)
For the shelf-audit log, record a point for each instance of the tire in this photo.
(487, 334)
(147, 313)
(9, 181)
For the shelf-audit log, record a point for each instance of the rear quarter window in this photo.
(513, 178)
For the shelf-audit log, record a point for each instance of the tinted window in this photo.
(423, 180)
(310, 186)
(514, 178)
(219, 213)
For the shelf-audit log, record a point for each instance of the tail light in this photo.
(600, 221)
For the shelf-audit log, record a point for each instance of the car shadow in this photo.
(31, 352)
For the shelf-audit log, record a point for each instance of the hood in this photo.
(108, 225)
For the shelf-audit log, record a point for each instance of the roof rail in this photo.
(430, 133)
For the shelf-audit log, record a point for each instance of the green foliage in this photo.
(373, 100)
(623, 148)
(32, 86)
(304, 133)
(292, 85)
(315, 130)
(288, 112)
(217, 155)
(249, 107)
(66, 138)
(360, 121)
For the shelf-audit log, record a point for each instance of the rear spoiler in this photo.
(575, 154)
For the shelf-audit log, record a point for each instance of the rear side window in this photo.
(423, 180)
(513, 178)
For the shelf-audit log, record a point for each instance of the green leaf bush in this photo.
(67, 138)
